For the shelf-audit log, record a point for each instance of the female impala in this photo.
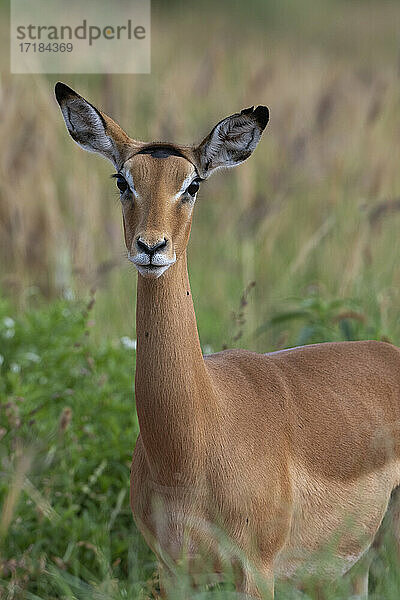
(282, 451)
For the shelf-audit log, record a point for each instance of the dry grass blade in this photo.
(17, 484)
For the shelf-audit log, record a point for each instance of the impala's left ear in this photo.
(232, 140)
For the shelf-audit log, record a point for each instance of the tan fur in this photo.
(285, 454)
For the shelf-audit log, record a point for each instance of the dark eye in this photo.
(121, 183)
(193, 188)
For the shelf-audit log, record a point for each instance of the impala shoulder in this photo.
(237, 359)
(256, 372)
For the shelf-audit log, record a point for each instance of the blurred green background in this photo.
(312, 218)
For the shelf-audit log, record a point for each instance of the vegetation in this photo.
(312, 219)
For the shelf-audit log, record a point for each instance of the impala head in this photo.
(158, 182)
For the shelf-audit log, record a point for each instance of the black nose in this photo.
(150, 250)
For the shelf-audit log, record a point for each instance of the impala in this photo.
(283, 452)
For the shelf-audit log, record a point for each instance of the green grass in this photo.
(68, 428)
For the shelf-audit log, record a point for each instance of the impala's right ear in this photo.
(92, 129)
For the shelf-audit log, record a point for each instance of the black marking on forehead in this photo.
(161, 151)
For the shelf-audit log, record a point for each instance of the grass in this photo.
(68, 427)
(312, 219)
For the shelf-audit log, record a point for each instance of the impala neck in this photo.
(172, 386)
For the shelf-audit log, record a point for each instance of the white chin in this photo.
(152, 271)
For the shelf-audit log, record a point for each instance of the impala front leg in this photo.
(163, 578)
(257, 583)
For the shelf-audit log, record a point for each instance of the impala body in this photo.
(286, 452)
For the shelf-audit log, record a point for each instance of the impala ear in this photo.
(232, 140)
(92, 129)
